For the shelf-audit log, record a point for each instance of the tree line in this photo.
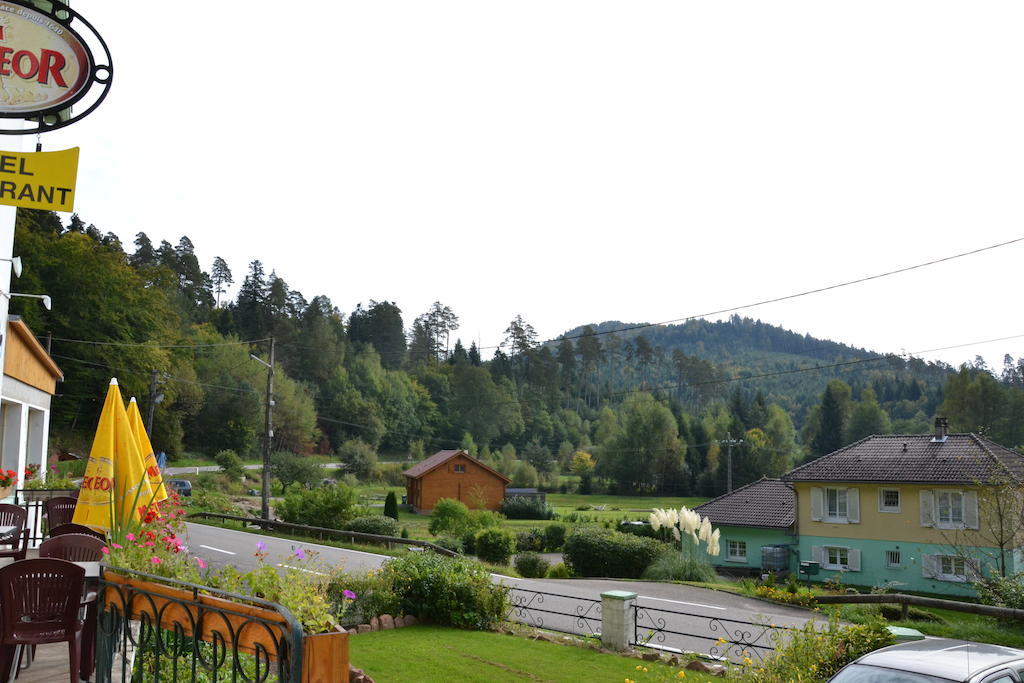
(649, 414)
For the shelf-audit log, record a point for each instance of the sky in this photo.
(575, 162)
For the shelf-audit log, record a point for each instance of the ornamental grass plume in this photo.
(685, 521)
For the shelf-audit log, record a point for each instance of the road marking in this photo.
(301, 569)
(680, 602)
(210, 547)
(502, 576)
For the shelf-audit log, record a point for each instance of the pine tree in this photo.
(391, 506)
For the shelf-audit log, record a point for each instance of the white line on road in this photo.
(680, 602)
(308, 571)
(210, 547)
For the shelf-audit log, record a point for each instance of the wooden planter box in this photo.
(324, 656)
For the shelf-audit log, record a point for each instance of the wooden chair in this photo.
(16, 516)
(59, 510)
(40, 601)
(75, 529)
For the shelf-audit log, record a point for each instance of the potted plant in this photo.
(8, 478)
(54, 485)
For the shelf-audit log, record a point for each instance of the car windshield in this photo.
(860, 673)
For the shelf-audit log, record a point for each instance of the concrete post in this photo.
(616, 621)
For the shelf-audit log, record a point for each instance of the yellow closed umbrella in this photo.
(156, 480)
(114, 486)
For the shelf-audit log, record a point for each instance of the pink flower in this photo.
(130, 537)
(116, 546)
(300, 553)
(201, 563)
(105, 550)
(149, 544)
(155, 560)
(348, 594)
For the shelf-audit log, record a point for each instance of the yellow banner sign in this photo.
(39, 180)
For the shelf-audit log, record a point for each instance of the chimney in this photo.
(941, 429)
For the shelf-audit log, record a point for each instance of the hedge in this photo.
(610, 554)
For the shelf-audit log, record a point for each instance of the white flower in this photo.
(705, 530)
(713, 546)
(675, 533)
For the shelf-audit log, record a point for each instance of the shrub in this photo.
(469, 542)
(443, 590)
(596, 552)
(453, 544)
(1002, 591)
(391, 505)
(391, 473)
(494, 545)
(554, 537)
(895, 613)
(801, 598)
(674, 566)
(522, 507)
(230, 464)
(530, 540)
(327, 506)
(559, 571)
(811, 654)
(531, 565)
(373, 524)
(450, 517)
(405, 532)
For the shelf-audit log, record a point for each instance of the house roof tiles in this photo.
(916, 458)
(440, 458)
(763, 503)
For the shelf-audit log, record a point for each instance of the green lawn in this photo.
(430, 653)
(630, 503)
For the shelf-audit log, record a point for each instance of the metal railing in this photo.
(555, 612)
(155, 629)
(33, 500)
(729, 638)
(322, 532)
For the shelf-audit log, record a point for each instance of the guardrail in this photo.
(323, 532)
(905, 601)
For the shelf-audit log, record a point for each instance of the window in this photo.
(837, 558)
(835, 504)
(949, 509)
(737, 551)
(460, 469)
(952, 567)
(888, 500)
(892, 559)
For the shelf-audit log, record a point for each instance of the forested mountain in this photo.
(644, 409)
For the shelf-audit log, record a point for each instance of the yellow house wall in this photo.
(904, 525)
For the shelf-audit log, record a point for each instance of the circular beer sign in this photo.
(43, 64)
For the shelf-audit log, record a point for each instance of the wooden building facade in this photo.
(456, 475)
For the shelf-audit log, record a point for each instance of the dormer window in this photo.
(459, 469)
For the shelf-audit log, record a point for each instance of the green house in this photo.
(757, 523)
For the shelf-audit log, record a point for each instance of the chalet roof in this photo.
(440, 458)
(763, 503)
(916, 458)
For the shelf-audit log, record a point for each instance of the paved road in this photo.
(673, 617)
(172, 471)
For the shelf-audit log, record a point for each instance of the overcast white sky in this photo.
(575, 162)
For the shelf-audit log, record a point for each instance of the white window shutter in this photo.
(971, 509)
(927, 507)
(854, 557)
(853, 505)
(818, 554)
(817, 503)
(930, 566)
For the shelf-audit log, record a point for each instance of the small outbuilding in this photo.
(456, 475)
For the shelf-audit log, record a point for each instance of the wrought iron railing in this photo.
(155, 629)
(555, 612)
(719, 637)
(33, 500)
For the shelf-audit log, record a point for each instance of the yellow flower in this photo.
(747, 661)
(721, 641)
(681, 674)
(638, 667)
(645, 669)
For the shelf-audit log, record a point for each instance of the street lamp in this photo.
(47, 302)
(15, 264)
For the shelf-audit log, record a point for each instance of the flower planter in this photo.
(6, 491)
(39, 495)
(249, 628)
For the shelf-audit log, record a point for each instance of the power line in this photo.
(156, 346)
(816, 290)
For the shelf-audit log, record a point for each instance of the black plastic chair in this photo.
(75, 529)
(39, 603)
(17, 517)
(73, 548)
(59, 510)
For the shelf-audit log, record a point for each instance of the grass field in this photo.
(429, 653)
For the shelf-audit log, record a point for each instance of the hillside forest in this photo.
(629, 408)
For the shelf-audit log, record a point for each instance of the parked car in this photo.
(183, 487)
(936, 660)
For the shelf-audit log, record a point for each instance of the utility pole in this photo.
(729, 443)
(154, 398)
(269, 435)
